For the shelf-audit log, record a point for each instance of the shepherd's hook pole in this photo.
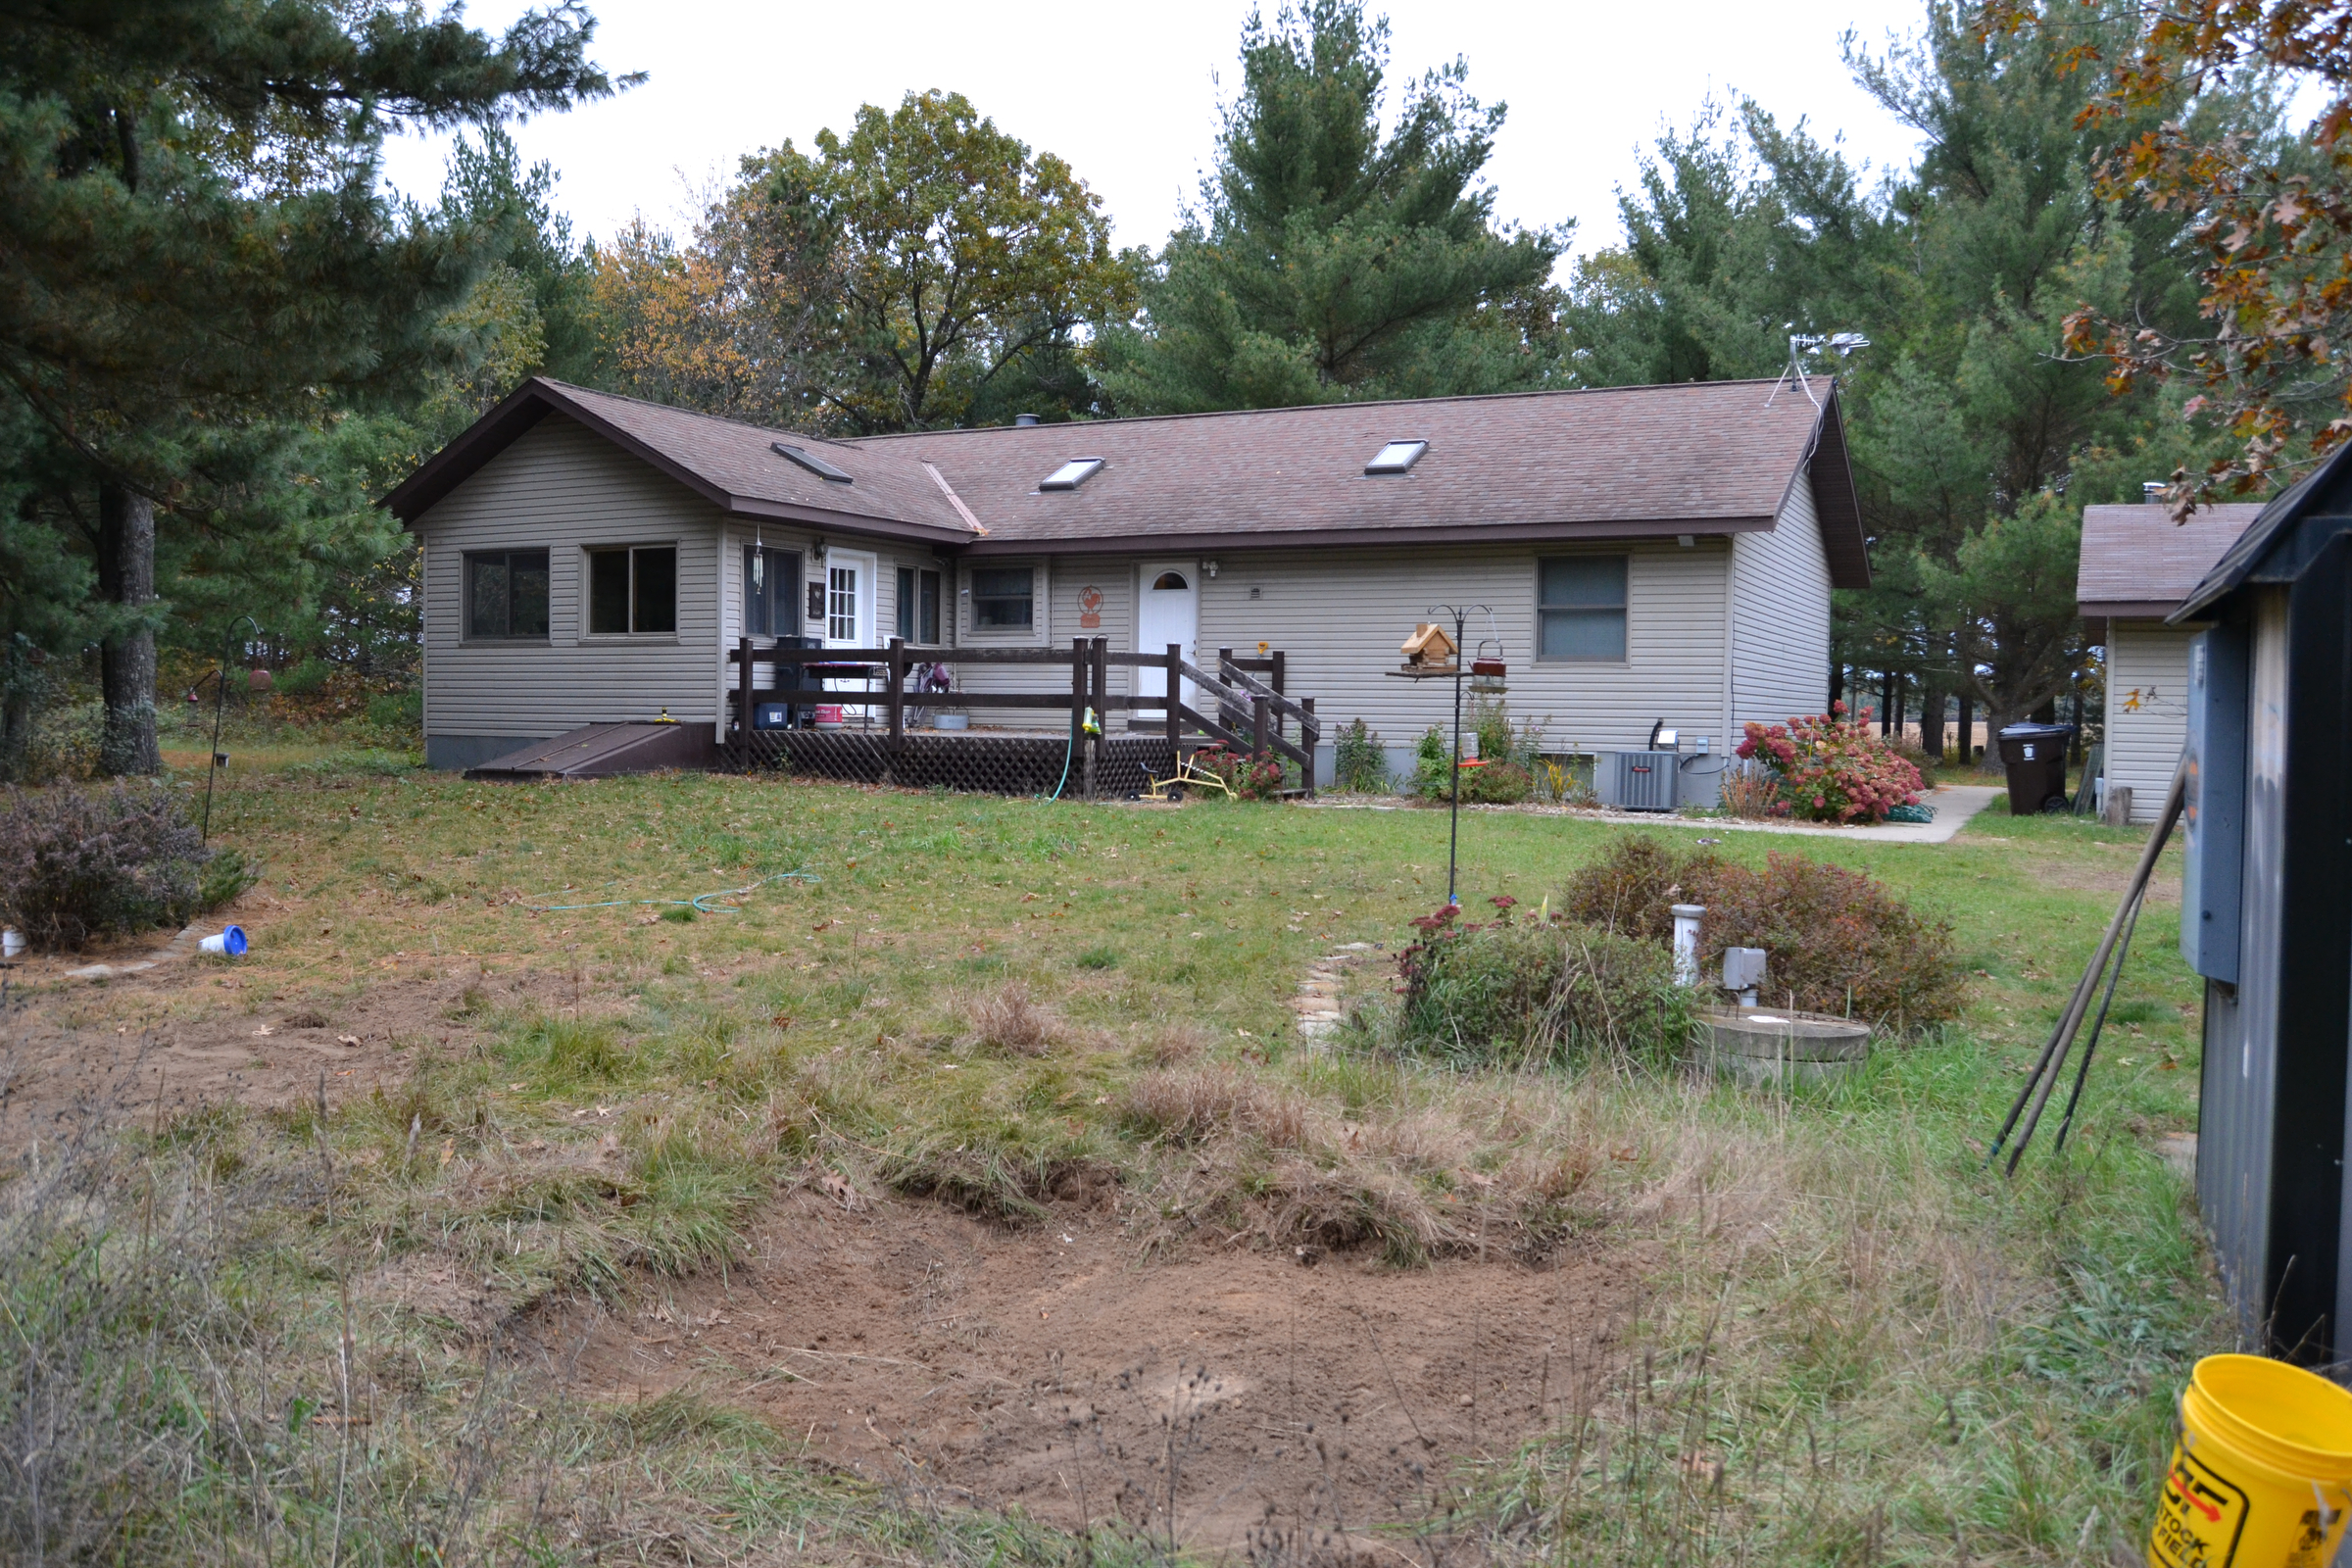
(1453, 811)
(220, 699)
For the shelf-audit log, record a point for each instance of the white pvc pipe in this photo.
(1686, 943)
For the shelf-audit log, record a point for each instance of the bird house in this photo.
(1427, 647)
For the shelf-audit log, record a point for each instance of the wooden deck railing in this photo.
(1254, 716)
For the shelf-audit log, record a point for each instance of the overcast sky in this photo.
(1128, 93)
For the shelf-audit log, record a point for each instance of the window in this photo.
(633, 591)
(1070, 475)
(811, 462)
(1398, 457)
(918, 605)
(506, 594)
(841, 604)
(771, 592)
(1579, 609)
(1002, 599)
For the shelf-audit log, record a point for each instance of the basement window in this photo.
(1071, 475)
(1398, 457)
(633, 591)
(811, 462)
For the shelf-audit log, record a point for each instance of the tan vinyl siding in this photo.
(1781, 616)
(1114, 577)
(980, 679)
(2147, 709)
(560, 488)
(1339, 615)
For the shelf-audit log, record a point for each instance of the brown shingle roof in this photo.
(733, 466)
(1716, 457)
(2138, 563)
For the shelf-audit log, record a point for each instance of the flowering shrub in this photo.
(1831, 768)
(1250, 779)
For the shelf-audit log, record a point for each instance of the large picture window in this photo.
(506, 593)
(633, 591)
(918, 605)
(771, 592)
(1003, 599)
(1579, 609)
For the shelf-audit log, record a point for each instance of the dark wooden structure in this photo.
(1255, 717)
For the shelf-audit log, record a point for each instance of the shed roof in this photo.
(2279, 545)
(1715, 458)
(2137, 563)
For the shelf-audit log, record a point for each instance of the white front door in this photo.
(1168, 610)
(849, 578)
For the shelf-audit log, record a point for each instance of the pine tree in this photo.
(1330, 261)
(200, 265)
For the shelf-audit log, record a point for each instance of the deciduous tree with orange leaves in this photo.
(2270, 221)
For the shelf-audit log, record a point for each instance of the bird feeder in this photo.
(1486, 671)
(259, 679)
(1429, 651)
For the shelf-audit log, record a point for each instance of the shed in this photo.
(2137, 566)
(2266, 910)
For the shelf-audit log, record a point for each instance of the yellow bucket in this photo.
(2262, 1476)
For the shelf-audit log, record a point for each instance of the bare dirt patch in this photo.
(159, 1045)
(1241, 1395)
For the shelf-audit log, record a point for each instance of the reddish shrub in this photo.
(1839, 940)
(1833, 770)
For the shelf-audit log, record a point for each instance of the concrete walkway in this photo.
(1954, 805)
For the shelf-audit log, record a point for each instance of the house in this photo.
(1634, 554)
(2266, 910)
(2137, 566)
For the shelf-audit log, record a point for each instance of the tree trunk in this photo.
(1931, 719)
(1886, 702)
(126, 658)
(1968, 730)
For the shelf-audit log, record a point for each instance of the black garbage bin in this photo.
(2035, 758)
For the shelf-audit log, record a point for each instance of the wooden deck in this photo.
(1254, 717)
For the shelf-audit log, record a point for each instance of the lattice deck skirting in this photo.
(993, 765)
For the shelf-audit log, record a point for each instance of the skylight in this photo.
(811, 462)
(1398, 457)
(1071, 475)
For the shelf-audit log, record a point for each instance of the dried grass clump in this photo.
(1174, 1044)
(1192, 1105)
(1008, 1018)
(78, 864)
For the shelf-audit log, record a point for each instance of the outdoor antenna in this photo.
(220, 699)
(1801, 344)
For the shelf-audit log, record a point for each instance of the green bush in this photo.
(304, 679)
(396, 710)
(1359, 763)
(1529, 993)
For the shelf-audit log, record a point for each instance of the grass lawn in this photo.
(1835, 1339)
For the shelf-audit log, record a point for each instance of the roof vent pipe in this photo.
(1024, 419)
